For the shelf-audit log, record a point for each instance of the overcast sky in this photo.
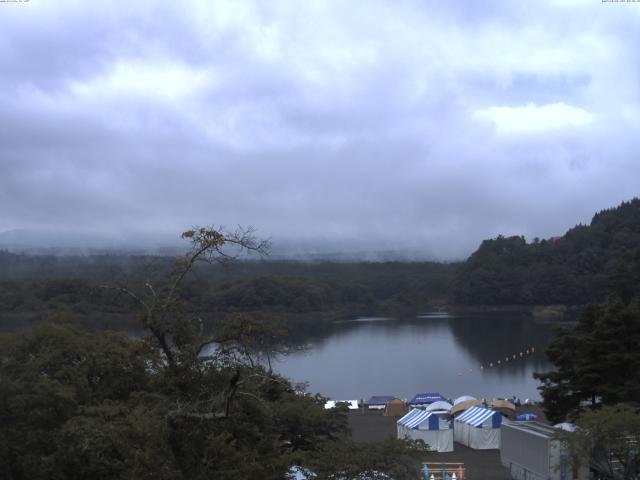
(356, 125)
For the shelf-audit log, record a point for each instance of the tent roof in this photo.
(439, 405)
(476, 416)
(414, 418)
(535, 428)
(380, 399)
(424, 398)
(459, 407)
(503, 404)
(463, 398)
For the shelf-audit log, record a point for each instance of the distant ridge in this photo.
(66, 242)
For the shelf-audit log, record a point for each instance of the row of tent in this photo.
(427, 399)
(393, 406)
(529, 450)
(472, 425)
(436, 403)
(439, 423)
(477, 428)
(419, 400)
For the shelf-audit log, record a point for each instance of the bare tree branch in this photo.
(208, 244)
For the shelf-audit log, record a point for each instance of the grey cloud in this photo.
(344, 128)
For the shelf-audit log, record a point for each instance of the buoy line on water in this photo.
(509, 358)
(515, 356)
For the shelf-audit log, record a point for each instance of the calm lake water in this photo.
(430, 352)
(401, 356)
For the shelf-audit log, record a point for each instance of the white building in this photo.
(531, 452)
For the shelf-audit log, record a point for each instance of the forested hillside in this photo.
(581, 267)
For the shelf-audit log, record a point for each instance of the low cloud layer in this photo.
(366, 125)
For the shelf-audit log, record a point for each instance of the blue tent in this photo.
(379, 401)
(424, 399)
(526, 416)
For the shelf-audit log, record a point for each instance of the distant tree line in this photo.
(43, 284)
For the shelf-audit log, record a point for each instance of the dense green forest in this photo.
(581, 267)
(31, 286)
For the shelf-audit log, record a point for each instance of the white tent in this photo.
(463, 398)
(478, 428)
(440, 405)
(429, 427)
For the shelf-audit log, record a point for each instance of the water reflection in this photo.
(426, 352)
(430, 351)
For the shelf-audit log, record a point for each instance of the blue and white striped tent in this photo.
(477, 416)
(429, 427)
(417, 418)
(478, 428)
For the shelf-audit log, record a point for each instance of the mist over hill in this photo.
(70, 243)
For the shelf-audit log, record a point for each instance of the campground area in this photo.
(371, 425)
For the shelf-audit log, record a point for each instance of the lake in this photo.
(404, 355)
(430, 352)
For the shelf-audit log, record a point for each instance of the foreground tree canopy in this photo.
(597, 360)
(76, 404)
(607, 437)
